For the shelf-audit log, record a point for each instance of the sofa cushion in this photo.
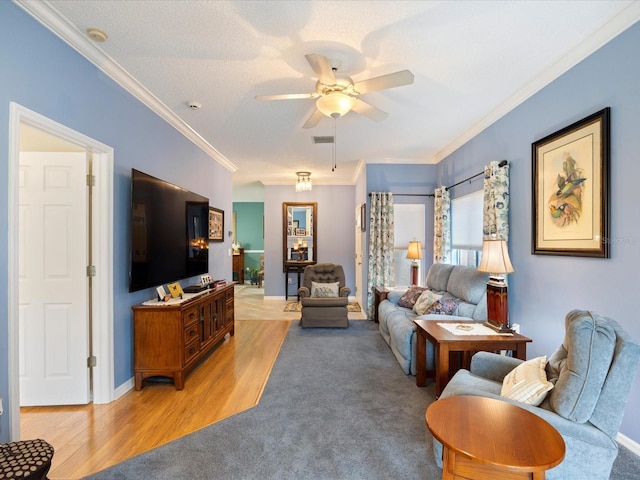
(324, 290)
(468, 284)
(425, 300)
(408, 300)
(527, 383)
(438, 276)
(580, 365)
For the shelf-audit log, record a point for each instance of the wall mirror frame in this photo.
(299, 234)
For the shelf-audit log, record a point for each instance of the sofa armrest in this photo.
(345, 291)
(304, 292)
(492, 365)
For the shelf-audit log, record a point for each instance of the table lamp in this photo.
(495, 261)
(414, 252)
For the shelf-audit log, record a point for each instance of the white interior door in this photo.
(53, 286)
(359, 290)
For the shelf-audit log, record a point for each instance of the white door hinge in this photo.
(91, 180)
(92, 361)
(91, 271)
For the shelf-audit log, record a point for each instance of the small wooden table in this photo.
(445, 342)
(488, 439)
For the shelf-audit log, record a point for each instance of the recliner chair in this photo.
(593, 371)
(324, 296)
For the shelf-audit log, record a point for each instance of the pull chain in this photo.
(333, 167)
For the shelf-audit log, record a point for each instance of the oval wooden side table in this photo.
(488, 439)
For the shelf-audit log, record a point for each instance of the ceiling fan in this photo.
(337, 95)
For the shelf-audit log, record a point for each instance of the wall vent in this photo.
(323, 139)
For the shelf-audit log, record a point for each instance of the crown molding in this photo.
(616, 25)
(50, 18)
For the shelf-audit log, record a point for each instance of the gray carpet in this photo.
(337, 406)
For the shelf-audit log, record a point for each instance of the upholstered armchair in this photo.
(592, 372)
(324, 296)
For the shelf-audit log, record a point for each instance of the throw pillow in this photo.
(325, 290)
(425, 300)
(447, 305)
(408, 300)
(527, 383)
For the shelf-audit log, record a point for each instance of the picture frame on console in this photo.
(571, 189)
(216, 225)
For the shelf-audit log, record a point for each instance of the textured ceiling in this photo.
(472, 61)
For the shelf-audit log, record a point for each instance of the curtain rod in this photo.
(501, 164)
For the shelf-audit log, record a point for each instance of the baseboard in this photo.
(123, 388)
(628, 443)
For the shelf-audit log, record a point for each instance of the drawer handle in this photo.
(192, 350)
(191, 315)
(192, 332)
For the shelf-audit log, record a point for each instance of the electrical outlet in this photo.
(205, 279)
(290, 281)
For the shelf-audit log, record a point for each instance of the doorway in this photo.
(101, 296)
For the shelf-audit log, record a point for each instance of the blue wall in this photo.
(544, 288)
(250, 232)
(42, 73)
(336, 226)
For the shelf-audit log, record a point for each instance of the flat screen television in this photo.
(169, 240)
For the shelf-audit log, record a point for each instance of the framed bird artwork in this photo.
(571, 190)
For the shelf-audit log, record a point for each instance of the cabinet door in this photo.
(206, 323)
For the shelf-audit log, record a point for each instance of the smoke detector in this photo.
(97, 35)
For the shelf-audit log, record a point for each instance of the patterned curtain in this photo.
(441, 226)
(496, 202)
(381, 271)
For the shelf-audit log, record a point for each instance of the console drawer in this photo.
(191, 351)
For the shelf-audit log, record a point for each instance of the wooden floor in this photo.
(90, 438)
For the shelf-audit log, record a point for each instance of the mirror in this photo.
(299, 234)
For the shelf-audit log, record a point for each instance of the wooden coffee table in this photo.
(488, 439)
(445, 342)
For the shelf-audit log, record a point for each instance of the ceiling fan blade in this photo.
(322, 68)
(369, 111)
(287, 96)
(391, 80)
(314, 119)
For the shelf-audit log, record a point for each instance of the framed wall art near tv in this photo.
(216, 225)
(571, 190)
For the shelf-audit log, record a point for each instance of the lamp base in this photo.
(414, 273)
(498, 327)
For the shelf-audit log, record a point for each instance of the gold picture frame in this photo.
(571, 190)
(216, 225)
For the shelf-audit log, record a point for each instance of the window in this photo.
(466, 229)
(408, 223)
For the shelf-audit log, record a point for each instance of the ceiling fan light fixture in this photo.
(303, 184)
(335, 104)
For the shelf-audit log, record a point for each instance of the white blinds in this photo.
(466, 221)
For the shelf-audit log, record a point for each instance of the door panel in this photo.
(53, 287)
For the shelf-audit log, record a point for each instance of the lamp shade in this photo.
(495, 257)
(335, 104)
(414, 252)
